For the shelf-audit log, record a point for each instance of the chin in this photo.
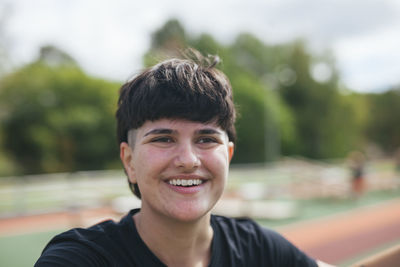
(189, 212)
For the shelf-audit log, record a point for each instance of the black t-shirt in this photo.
(236, 242)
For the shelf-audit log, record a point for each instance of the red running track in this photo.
(334, 239)
(339, 238)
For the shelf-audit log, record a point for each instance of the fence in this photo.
(286, 179)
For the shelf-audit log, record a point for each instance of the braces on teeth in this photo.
(182, 182)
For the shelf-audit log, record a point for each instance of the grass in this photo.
(314, 208)
(23, 250)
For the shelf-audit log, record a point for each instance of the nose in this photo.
(186, 157)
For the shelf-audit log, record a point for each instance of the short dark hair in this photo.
(191, 89)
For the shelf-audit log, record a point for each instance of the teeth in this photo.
(184, 182)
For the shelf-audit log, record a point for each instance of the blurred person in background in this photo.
(397, 162)
(176, 134)
(356, 161)
(397, 167)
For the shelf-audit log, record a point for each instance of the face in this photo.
(180, 166)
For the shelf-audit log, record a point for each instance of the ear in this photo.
(231, 149)
(126, 154)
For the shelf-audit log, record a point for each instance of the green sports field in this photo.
(312, 196)
(23, 249)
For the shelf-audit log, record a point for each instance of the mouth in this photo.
(186, 182)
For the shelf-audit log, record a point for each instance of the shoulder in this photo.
(246, 230)
(243, 226)
(93, 246)
(249, 239)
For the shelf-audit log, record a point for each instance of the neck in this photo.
(176, 243)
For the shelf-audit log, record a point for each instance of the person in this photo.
(175, 125)
(397, 160)
(356, 161)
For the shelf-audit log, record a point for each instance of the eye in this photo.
(207, 140)
(162, 139)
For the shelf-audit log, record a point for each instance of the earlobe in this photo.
(231, 148)
(125, 154)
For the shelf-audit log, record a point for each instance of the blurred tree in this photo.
(53, 56)
(288, 99)
(171, 36)
(7, 166)
(249, 57)
(166, 42)
(384, 123)
(325, 121)
(55, 118)
(4, 60)
(250, 124)
(255, 108)
(206, 44)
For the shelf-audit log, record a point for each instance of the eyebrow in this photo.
(160, 131)
(208, 131)
(169, 131)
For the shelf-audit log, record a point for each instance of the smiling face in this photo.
(180, 166)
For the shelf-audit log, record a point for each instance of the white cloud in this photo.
(370, 62)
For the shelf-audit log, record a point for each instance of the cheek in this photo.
(217, 161)
(149, 161)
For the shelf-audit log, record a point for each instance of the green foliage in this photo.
(264, 120)
(250, 124)
(7, 164)
(170, 36)
(384, 123)
(169, 41)
(55, 118)
(325, 120)
(53, 56)
(249, 57)
(287, 105)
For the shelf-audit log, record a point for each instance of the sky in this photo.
(109, 37)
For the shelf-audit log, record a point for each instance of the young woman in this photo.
(176, 134)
